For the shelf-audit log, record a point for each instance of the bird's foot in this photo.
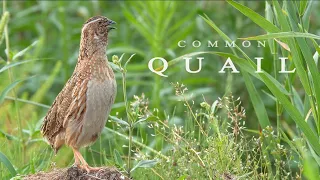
(89, 168)
(81, 163)
(75, 165)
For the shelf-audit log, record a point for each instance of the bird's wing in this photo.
(53, 121)
(77, 106)
(73, 120)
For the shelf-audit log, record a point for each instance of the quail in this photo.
(79, 112)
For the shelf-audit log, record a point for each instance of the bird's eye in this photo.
(100, 22)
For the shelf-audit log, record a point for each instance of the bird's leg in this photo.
(76, 158)
(84, 164)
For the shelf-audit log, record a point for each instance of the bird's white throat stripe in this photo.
(90, 23)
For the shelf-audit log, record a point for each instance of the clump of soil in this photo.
(74, 173)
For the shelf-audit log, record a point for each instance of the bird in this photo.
(78, 114)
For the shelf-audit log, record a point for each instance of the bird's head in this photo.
(96, 29)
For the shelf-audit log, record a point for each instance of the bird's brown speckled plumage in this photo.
(78, 114)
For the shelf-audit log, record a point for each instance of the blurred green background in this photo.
(148, 29)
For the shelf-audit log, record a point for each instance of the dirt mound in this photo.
(74, 173)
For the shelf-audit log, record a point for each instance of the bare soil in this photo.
(74, 173)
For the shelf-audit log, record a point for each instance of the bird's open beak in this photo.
(110, 22)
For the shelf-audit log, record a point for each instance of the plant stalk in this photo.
(11, 78)
(124, 89)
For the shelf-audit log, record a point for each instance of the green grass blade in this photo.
(283, 35)
(311, 170)
(256, 101)
(117, 158)
(312, 66)
(280, 16)
(3, 23)
(302, 7)
(270, 17)
(119, 121)
(292, 10)
(11, 86)
(255, 17)
(306, 15)
(7, 163)
(19, 63)
(145, 164)
(8, 136)
(28, 102)
(22, 52)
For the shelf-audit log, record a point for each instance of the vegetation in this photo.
(207, 125)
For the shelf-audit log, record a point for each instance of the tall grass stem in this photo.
(11, 78)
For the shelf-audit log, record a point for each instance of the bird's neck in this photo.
(92, 50)
(93, 61)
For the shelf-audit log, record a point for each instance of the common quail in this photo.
(79, 112)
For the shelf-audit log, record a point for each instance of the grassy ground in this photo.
(186, 126)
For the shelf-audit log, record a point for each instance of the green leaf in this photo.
(139, 121)
(117, 158)
(150, 118)
(125, 65)
(4, 21)
(256, 102)
(271, 18)
(145, 164)
(280, 16)
(28, 102)
(214, 106)
(297, 100)
(120, 121)
(7, 89)
(7, 163)
(114, 66)
(255, 17)
(183, 177)
(306, 15)
(302, 7)
(8, 136)
(282, 35)
(22, 52)
(293, 13)
(8, 66)
(293, 146)
(310, 169)
(11, 86)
